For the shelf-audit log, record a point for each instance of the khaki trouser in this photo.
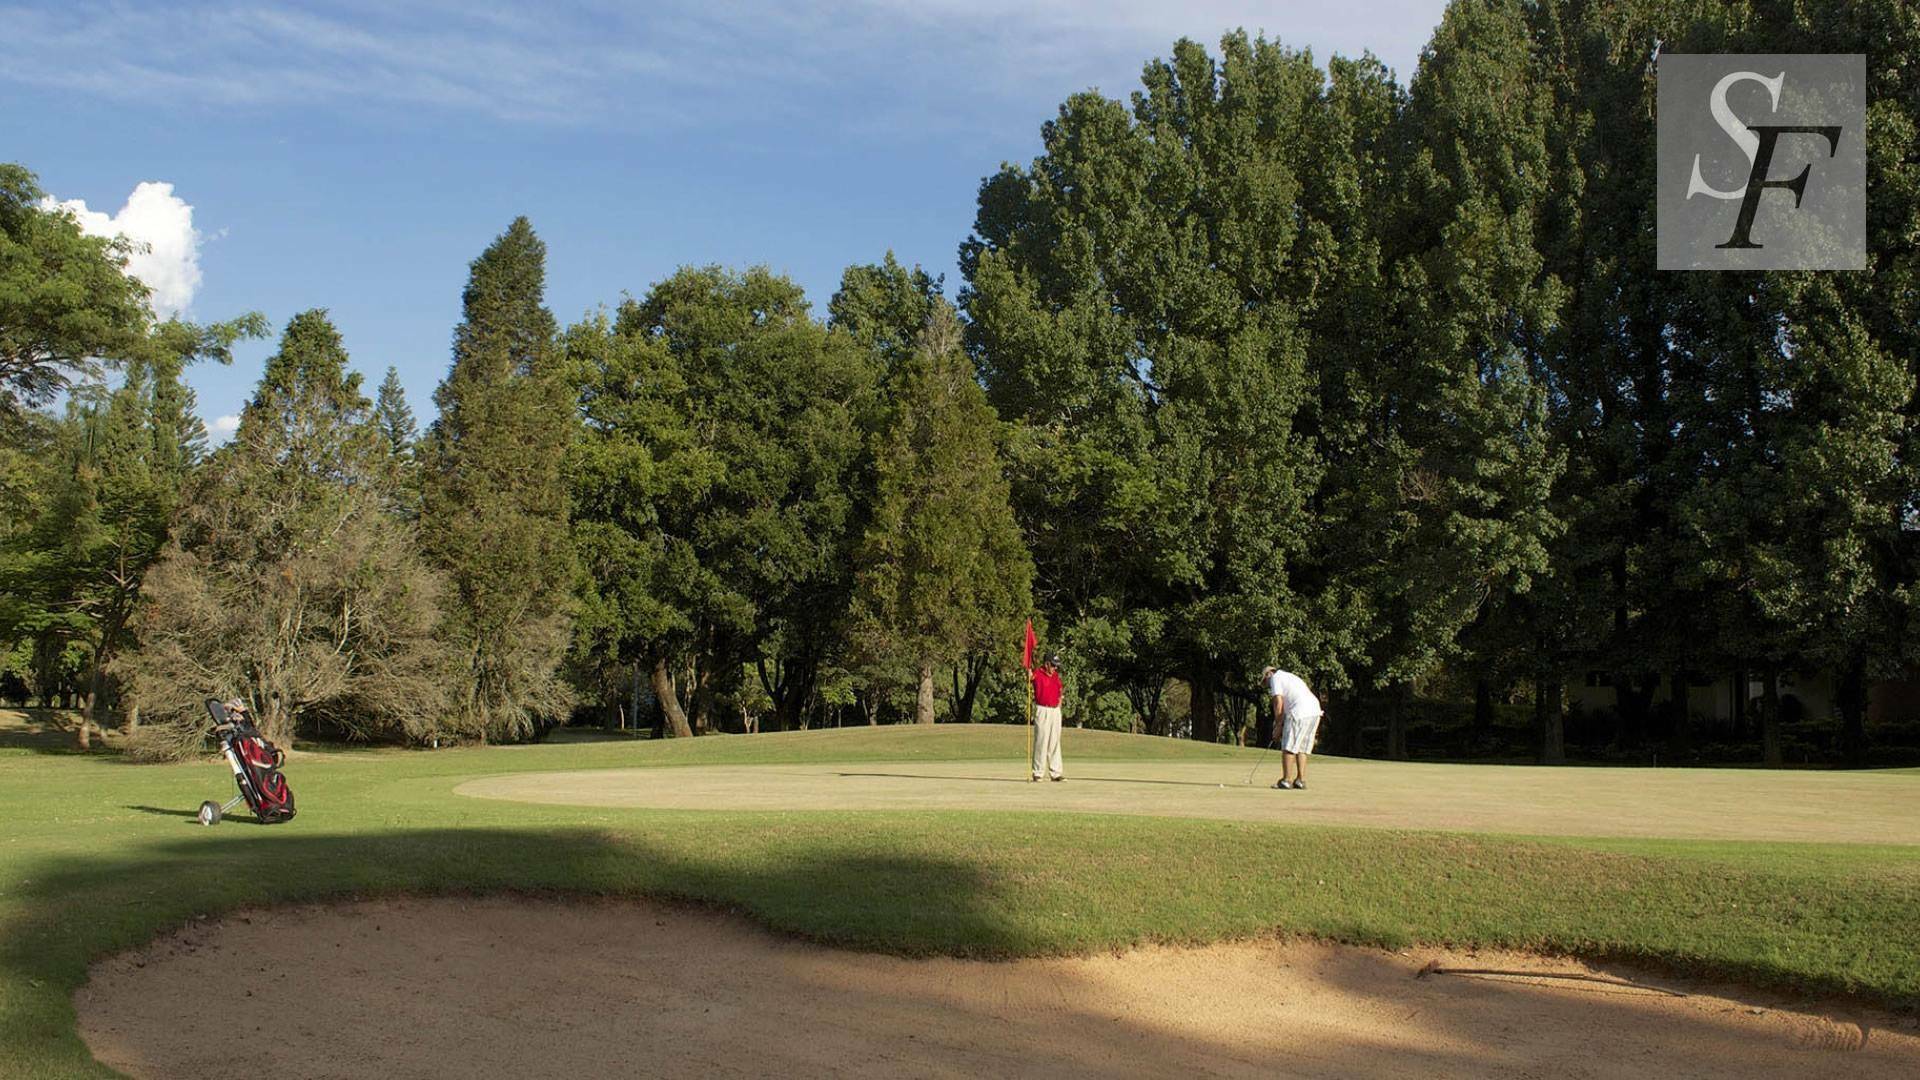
(1046, 741)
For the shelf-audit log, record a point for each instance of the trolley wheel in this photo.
(209, 813)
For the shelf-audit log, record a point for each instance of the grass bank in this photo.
(98, 855)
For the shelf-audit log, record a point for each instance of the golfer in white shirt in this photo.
(1296, 714)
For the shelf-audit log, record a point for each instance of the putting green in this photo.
(1706, 804)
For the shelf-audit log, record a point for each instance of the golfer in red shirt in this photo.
(1046, 720)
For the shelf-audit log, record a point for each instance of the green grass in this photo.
(98, 855)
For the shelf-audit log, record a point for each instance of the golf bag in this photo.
(256, 770)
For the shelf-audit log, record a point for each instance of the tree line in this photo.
(1274, 360)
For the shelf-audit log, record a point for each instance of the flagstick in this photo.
(1026, 665)
(1030, 727)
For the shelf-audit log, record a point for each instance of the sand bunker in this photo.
(516, 988)
(1706, 804)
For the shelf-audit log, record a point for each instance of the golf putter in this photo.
(1257, 762)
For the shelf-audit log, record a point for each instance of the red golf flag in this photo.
(1026, 648)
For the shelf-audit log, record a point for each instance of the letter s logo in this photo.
(1748, 142)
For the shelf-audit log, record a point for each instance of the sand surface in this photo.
(510, 987)
(1711, 804)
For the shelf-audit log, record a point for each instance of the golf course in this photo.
(867, 540)
(1163, 889)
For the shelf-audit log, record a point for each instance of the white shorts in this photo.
(1297, 733)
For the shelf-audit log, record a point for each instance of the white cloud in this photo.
(223, 427)
(166, 253)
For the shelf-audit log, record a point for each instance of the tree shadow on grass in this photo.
(833, 892)
(835, 888)
(51, 731)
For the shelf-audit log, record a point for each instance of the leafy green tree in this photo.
(1462, 464)
(1137, 303)
(1798, 403)
(65, 298)
(288, 582)
(942, 571)
(715, 487)
(106, 526)
(1351, 176)
(122, 460)
(494, 500)
(1739, 466)
(884, 307)
(635, 457)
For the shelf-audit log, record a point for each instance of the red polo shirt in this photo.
(1046, 687)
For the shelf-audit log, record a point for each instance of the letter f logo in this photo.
(1757, 142)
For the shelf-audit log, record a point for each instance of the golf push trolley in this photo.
(256, 770)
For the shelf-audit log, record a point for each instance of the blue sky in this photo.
(357, 155)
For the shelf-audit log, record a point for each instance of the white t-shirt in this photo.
(1300, 701)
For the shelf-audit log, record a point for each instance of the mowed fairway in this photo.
(98, 856)
(1702, 804)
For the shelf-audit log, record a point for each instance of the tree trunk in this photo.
(1632, 697)
(1482, 711)
(1549, 713)
(966, 686)
(88, 720)
(1680, 703)
(1146, 698)
(677, 724)
(1345, 710)
(1770, 717)
(923, 701)
(1263, 733)
(701, 696)
(633, 692)
(790, 686)
(1397, 721)
(1851, 696)
(790, 711)
(1739, 710)
(276, 723)
(1206, 718)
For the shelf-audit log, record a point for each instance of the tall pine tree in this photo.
(393, 418)
(494, 504)
(942, 572)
